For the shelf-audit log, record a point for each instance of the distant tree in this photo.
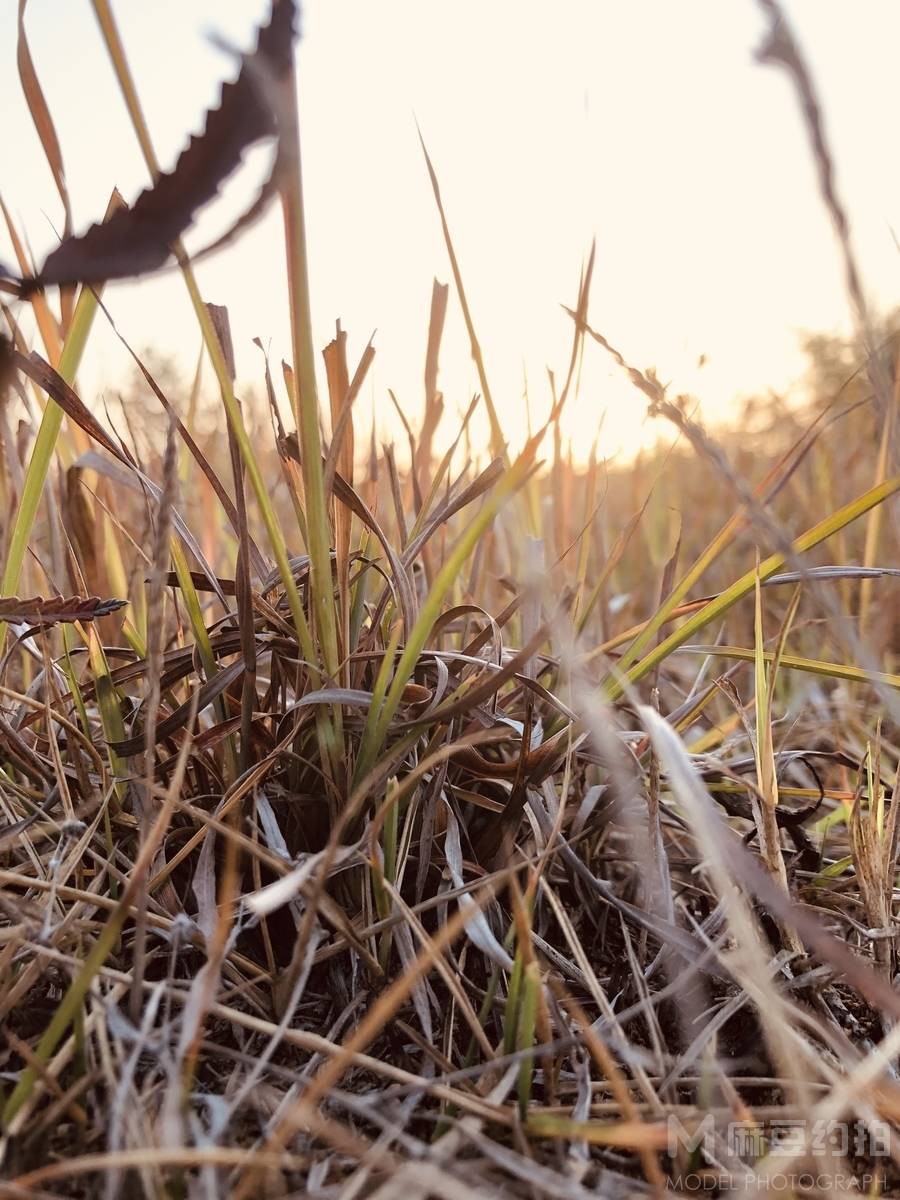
(838, 365)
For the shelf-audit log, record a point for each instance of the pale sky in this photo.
(646, 125)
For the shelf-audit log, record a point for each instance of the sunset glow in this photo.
(648, 127)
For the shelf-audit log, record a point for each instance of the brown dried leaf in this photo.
(180, 718)
(201, 582)
(50, 381)
(79, 522)
(38, 611)
(40, 114)
(139, 239)
(7, 370)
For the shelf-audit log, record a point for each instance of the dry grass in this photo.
(527, 818)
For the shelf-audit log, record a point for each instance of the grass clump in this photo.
(453, 829)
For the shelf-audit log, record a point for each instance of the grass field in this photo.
(429, 821)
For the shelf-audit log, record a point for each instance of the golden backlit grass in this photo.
(444, 828)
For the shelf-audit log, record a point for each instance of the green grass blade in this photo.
(613, 688)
